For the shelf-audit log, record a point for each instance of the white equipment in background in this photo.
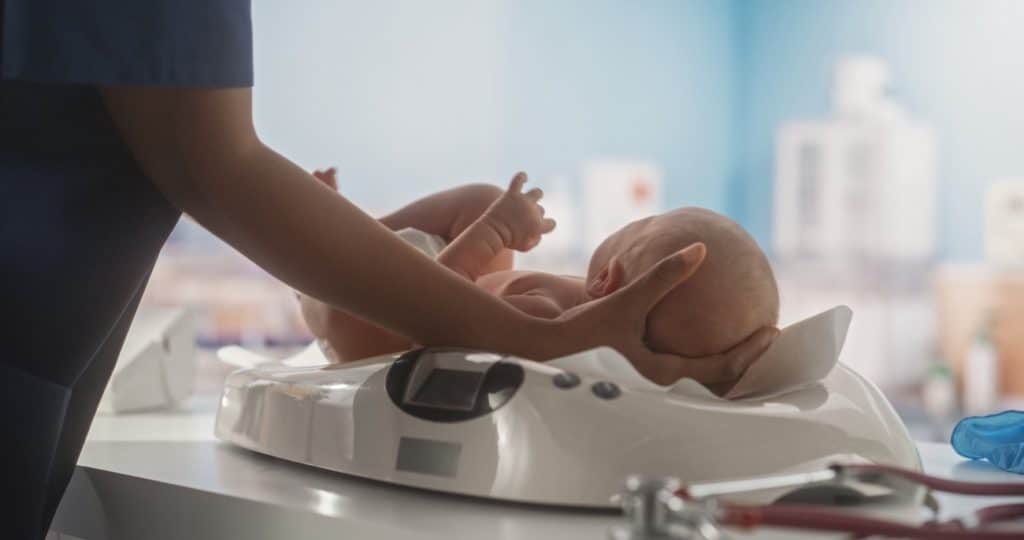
(569, 431)
(861, 184)
(855, 221)
(157, 364)
(615, 193)
(1004, 224)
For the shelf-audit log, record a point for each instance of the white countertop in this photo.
(164, 476)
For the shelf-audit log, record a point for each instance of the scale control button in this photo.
(606, 390)
(566, 380)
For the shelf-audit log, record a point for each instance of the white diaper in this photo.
(430, 244)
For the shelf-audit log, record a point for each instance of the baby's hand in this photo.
(517, 217)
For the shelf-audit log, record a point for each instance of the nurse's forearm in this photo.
(446, 213)
(321, 244)
(200, 149)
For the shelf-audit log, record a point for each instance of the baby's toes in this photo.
(327, 177)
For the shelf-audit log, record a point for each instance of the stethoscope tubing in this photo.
(945, 485)
(822, 518)
(816, 518)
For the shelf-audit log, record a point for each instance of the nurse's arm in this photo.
(200, 148)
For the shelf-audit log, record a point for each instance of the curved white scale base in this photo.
(551, 444)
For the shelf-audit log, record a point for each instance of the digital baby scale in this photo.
(566, 432)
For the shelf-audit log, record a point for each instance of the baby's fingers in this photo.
(535, 194)
(547, 225)
(516, 185)
(327, 177)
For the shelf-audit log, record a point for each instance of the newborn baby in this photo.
(473, 229)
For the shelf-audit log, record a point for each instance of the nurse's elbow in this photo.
(190, 142)
(212, 164)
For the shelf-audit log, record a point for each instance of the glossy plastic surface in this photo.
(553, 444)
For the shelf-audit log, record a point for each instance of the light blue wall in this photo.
(408, 96)
(956, 63)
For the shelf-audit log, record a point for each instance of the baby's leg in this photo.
(349, 338)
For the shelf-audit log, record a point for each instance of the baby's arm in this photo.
(514, 221)
(446, 214)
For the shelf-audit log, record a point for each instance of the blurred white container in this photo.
(938, 395)
(860, 90)
(981, 375)
(157, 364)
(1004, 223)
(855, 222)
(615, 193)
(860, 185)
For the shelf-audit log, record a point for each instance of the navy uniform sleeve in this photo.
(80, 224)
(130, 42)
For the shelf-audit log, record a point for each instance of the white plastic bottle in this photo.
(938, 394)
(981, 375)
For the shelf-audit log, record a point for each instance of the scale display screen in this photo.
(449, 389)
(425, 456)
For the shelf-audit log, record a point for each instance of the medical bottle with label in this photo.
(981, 373)
(938, 395)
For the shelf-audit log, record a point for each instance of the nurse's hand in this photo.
(619, 321)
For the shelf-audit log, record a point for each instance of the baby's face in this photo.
(732, 294)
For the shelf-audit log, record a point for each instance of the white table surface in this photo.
(164, 476)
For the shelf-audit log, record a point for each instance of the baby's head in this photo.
(731, 295)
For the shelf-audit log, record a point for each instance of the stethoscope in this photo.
(663, 509)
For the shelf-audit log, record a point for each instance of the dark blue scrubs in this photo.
(80, 224)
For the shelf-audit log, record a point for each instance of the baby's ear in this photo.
(608, 280)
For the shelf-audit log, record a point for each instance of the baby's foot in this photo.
(328, 177)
